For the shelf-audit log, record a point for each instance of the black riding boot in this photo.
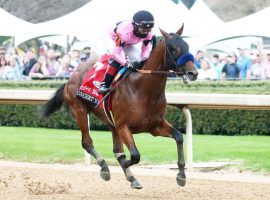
(105, 85)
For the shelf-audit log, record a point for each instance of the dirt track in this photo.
(71, 182)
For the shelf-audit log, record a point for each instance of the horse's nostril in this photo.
(192, 76)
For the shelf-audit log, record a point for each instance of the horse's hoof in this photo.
(105, 175)
(181, 181)
(136, 185)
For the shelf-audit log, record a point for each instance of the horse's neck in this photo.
(157, 59)
(156, 62)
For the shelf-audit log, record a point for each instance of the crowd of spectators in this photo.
(49, 64)
(238, 65)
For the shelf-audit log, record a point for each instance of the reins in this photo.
(180, 73)
(144, 71)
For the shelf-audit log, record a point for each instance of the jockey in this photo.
(125, 35)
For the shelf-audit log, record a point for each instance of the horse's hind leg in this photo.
(121, 157)
(87, 142)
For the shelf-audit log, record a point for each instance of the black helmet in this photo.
(143, 19)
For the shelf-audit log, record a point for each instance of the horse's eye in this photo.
(176, 51)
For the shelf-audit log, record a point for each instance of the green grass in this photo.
(229, 87)
(64, 146)
(252, 151)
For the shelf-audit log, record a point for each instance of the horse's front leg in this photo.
(124, 135)
(166, 130)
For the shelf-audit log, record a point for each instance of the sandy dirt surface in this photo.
(30, 181)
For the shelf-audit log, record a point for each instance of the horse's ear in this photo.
(165, 34)
(180, 31)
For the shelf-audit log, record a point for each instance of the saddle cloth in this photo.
(91, 83)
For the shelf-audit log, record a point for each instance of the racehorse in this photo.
(138, 105)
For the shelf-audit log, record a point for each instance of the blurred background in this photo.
(214, 29)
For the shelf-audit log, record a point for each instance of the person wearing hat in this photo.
(126, 34)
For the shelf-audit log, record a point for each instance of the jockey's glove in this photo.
(130, 65)
(136, 64)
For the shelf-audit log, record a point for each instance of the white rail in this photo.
(183, 101)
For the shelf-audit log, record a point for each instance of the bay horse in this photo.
(138, 105)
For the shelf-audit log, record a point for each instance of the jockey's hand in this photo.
(138, 64)
(130, 65)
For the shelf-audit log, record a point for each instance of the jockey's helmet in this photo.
(143, 22)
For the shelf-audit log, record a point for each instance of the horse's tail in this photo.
(54, 103)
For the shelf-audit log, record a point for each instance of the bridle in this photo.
(181, 73)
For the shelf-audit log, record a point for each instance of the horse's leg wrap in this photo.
(121, 157)
(181, 177)
(104, 172)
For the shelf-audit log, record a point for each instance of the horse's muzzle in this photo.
(192, 75)
(191, 71)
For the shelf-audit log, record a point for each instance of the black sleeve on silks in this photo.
(146, 42)
(123, 44)
(154, 42)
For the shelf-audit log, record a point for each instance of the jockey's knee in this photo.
(114, 64)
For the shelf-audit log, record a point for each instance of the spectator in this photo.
(216, 65)
(30, 61)
(65, 68)
(15, 69)
(5, 69)
(265, 62)
(2, 52)
(52, 62)
(199, 56)
(255, 68)
(38, 69)
(206, 72)
(231, 70)
(83, 58)
(74, 58)
(43, 50)
(243, 62)
(87, 52)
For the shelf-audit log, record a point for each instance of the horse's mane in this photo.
(154, 39)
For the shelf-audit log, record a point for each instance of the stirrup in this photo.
(103, 89)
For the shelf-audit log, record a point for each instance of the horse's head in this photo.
(178, 57)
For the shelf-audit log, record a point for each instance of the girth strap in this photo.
(108, 112)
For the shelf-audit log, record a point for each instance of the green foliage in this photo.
(231, 122)
(32, 84)
(218, 122)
